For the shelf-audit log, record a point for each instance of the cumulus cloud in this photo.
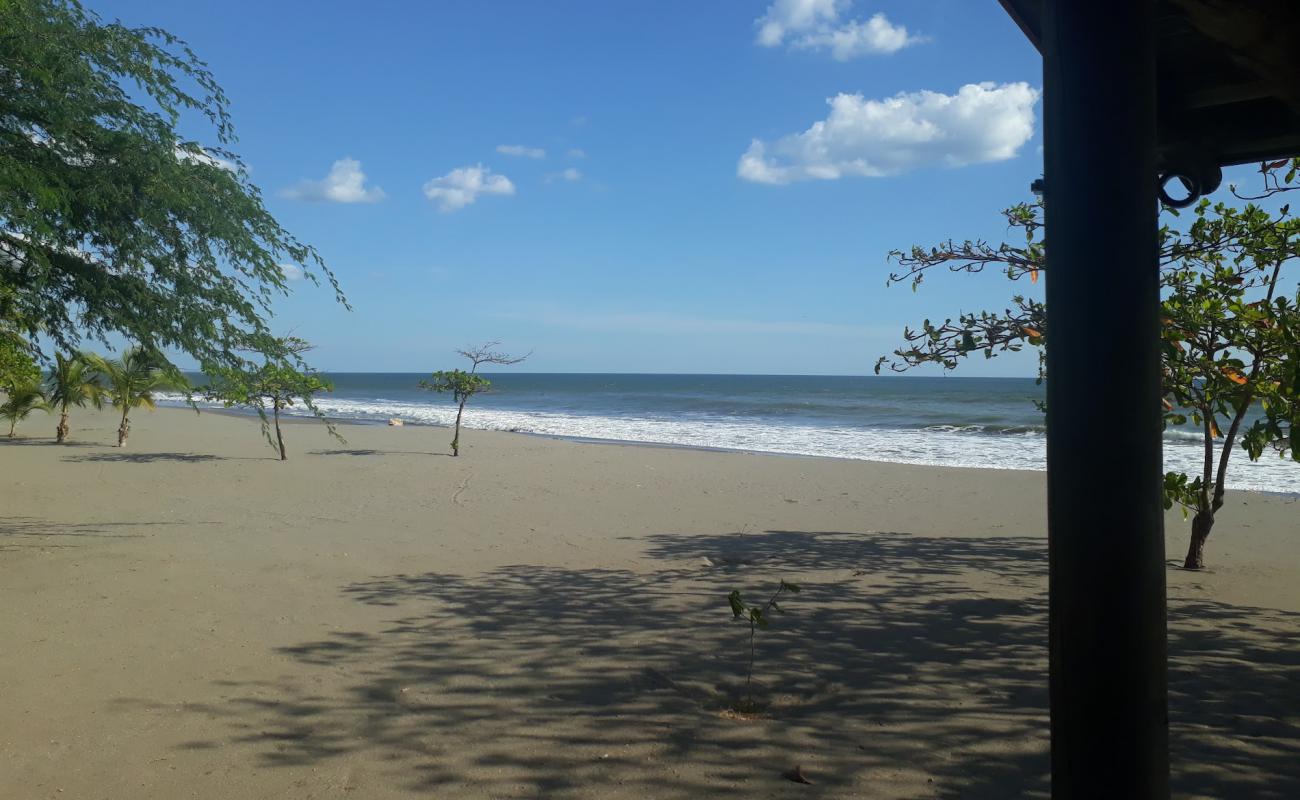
(521, 150)
(346, 183)
(196, 154)
(873, 138)
(462, 186)
(292, 272)
(819, 25)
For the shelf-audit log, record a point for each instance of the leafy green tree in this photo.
(1231, 334)
(20, 401)
(72, 383)
(134, 381)
(277, 384)
(462, 384)
(114, 220)
(17, 367)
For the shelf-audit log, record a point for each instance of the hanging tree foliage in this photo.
(1230, 330)
(112, 220)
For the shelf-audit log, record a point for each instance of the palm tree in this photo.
(21, 400)
(132, 381)
(73, 382)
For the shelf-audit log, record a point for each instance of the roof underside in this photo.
(1228, 74)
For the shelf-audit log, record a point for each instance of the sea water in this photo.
(942, 421)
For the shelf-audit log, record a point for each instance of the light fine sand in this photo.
(189, 618)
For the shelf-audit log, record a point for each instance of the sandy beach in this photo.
(190, 618)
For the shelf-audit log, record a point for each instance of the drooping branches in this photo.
(1230, 329)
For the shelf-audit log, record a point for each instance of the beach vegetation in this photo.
(114, 219)
(72, 383)
(279, 383)
(134, 381)
(20, 401)
(758, 617)
(464, 384)
(17, 365)
(1230, 328)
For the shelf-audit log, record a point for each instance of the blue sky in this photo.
(581, 179)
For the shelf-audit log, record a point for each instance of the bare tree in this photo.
(465, 384)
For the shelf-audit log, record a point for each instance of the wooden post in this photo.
(1106, 520)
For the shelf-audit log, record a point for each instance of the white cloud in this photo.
(521, 150)
(872, 138)
(569, 174)
(462, 186)
(292, 272)
(818, 25)
(195, 154)
(576, 152)
(346, 183)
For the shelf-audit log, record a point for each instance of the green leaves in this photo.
(135, 379)
(20, 401)
(461, 384)
(17, 367)
(760, 615)
(282, 380)
(114, 220)
(74, 382)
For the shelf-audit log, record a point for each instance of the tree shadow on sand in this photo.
(30, 532)
(890, 675)
(41, 441)
(147, 458)
(369, 452)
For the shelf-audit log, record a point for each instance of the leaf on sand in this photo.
(796, 775)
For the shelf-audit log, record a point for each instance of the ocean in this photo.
(942, 421)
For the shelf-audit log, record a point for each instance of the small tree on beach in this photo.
(1231, 335)
(758, 617)
(277, 384)
(72, 382)
(134, 381)
(20, 401)
(463, 384)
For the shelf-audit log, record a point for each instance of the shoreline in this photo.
(298, 419)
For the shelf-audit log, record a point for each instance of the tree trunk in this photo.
(61, 432)
(279, 438)
(13, 425)
(1201, 524)
(455, 439)
(124, 429)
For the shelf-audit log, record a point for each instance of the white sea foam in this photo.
(949, 446)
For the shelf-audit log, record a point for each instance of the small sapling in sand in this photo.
(757, 617)
(463, 384)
